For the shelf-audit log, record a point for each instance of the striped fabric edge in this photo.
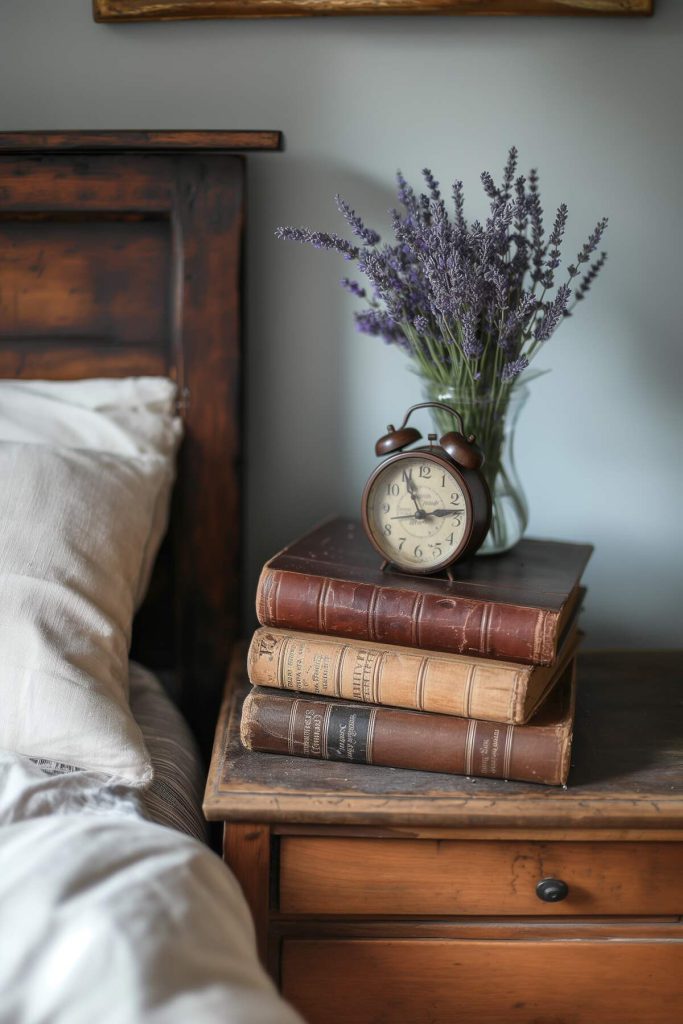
(174, 797)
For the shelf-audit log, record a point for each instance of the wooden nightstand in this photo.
(391, 896)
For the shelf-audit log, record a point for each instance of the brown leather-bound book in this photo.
(306, 726)
(514, 606)
(448, 684)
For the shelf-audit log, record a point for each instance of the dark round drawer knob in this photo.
(552, 890)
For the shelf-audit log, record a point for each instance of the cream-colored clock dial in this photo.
(417, 513)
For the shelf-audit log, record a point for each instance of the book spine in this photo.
(409, 618)
(327, 730)
(377, 674)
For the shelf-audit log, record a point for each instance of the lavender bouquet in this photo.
(470, 303)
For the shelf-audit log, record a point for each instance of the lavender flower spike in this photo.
(367, 235)
(353, 288)
(509, 172)
(554, 314)
(554, 243)
(489, 185)
(589, 277)
(513, 369)
(432, 185)
(593, 241)
(319, 240)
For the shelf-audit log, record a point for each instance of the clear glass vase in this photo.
(495, 434)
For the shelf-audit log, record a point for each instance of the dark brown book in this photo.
(515, 606)
(331, 730)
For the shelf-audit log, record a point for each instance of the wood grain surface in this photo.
(167, 10)
(475, 929)
(627, 767)
(437, 878)
(555, 835)
(138, 141)
(246, 851)
(484, 982)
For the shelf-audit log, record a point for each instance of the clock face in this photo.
(418, 512)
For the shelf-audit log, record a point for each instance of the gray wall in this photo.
(595, 104)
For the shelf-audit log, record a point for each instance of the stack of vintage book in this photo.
(472, 676)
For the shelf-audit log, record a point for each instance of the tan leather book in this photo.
(404, 677)
(318, 727)
(514, 606)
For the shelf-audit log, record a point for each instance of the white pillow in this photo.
(127, 416)
(74, 529)
(174, 798)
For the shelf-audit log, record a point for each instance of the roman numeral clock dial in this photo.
(425, 509)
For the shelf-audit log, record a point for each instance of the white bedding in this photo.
(106, 918)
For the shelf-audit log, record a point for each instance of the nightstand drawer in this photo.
(427, 877)
(440, 981)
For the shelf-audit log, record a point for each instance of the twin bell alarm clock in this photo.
(426, 508)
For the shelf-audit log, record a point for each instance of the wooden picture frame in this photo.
(185, 10)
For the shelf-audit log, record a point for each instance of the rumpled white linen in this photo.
(106, 918)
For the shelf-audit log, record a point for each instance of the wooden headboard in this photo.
(120, 254)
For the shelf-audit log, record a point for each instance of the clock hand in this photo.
(412, 491)
(417, 514)
(438, 512)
